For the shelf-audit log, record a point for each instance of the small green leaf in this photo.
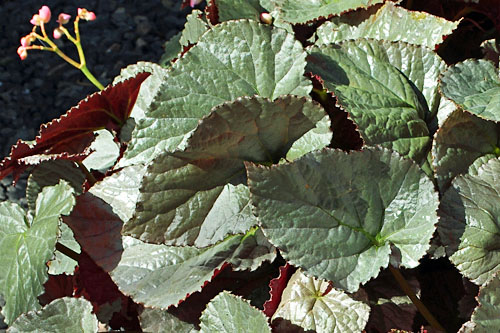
(62, 264)
(172, 49)
(105, 152)
(26, 246)
(474, 85)
(302, 11)
(62, 315)
(160, 321)
(462, 139)
(485, 315)
(469, 227)
(49, 173)
(193, 29)
(390, 23)
(195, 196)
(340, 216)
(121, 190)
(250, 59)
(238, 9)
(304, 303)
(227, 313)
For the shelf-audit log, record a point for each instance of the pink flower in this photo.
(193, 3)
(44, 13)
(58, 33)
(43, 16)
(35, 20)
(27, 40)
(86, 15)
(63, 18)
(22, 52)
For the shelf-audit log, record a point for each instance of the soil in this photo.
(43, 86)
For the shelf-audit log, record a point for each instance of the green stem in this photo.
(418, 303)
(64, 56)
(91, 77)
(82, 66)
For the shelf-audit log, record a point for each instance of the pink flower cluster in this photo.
(39, 20)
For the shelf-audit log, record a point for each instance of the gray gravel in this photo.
(43, 86)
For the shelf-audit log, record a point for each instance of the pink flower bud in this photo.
(25, 42)
(22, 52)
(58, 33)
(86, 15)
(44, 14)
(91, 16)
(35, 20)
(266, 18)
(63, 18)
(193, 3)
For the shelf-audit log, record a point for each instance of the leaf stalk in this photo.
(403, 284)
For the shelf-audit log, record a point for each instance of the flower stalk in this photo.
(43, 17)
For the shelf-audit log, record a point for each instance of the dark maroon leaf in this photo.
(57, 286)
(98, 230)
(97, 287)
(69, 136)
(277, 286)
(212, 12)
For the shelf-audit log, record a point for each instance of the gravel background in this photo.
(43, 86)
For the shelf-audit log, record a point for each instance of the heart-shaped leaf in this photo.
(188, 197)
(269, 63)
(340, 216)
(138, 268)
(389, 89)
(390, 23)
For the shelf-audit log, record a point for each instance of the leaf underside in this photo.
(304, 303)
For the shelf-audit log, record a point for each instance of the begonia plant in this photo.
(288, 166)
